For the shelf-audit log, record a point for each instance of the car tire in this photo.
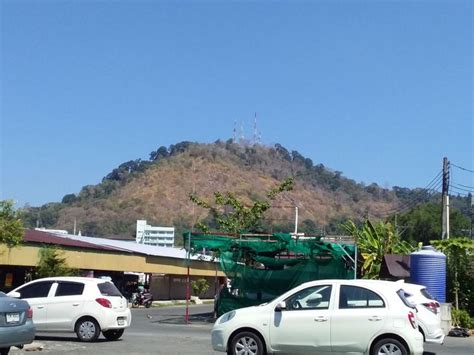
(389, 346)
(246, 343)
(4, 351)
(87, 329)
(113, 334)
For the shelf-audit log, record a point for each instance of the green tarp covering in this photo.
(262, 267)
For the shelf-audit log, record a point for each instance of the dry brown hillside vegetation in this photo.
(158, 190)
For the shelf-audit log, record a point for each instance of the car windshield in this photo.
(109, 289)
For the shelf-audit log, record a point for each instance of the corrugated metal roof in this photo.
(34, 236)
(394, 265)
(108, 244)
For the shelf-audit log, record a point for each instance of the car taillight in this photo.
(411, 318)
(104, 302)
(432, 306)
(29, 313)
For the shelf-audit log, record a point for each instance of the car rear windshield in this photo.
(425, 293)
(109, 289)
(403, 296)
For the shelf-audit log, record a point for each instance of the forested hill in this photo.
(158, 190)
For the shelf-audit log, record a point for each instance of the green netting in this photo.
(262, 267)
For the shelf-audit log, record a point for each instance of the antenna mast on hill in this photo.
(234, 133)
(256, 133)
(242, 137)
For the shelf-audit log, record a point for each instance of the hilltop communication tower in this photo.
(234, 133)
(256, 134)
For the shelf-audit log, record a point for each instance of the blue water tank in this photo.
(428, 268)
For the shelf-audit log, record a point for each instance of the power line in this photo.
(456, 186)
(420, 195)
(468, 187)
(423, 195)
(418, 201)
(460, 167)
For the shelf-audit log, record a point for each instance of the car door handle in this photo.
(75, 304)
(375, 318)
(321, 319)
(40, 307)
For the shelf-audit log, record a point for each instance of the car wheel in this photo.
(87, 329)
(246, 343)
(4, 351)
(113, 334)
(389, 346)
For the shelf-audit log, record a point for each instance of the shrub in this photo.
(461, 318)
(199, 286)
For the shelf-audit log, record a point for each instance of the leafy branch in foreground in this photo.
(11, 227)
(232, 215)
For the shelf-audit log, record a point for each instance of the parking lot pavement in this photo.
(451, 346)
(163, 331)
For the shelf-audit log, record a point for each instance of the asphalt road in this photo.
(163, 331)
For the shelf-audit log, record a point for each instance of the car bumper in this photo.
(116, 320)
(416, 345)
(436, 337)
(219, 342)
(14, 336)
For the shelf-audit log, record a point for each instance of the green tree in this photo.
(200, 287)
(231, 214)
(460, 279)
(52, 263)
(11, 226)
(373, 242)
(423, 223)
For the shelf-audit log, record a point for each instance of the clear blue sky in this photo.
(380, 90)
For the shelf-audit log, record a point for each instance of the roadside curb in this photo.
(34, 346)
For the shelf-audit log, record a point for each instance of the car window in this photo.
(316, 297)
(36, 290)
(69, 289)
(425, 293)
(108, 289)
(359, 297)
(404, 297)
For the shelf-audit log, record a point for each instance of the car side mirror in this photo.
(280, 306)
(14, 294)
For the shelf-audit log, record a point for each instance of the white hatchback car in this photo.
(363, 316)
(429, 312)
(86, 306)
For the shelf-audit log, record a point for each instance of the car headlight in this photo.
(227, 317)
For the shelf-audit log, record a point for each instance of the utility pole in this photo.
(472, 214)
(296, 221)
(445, 200)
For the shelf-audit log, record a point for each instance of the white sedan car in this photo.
(362, 316)
(83, 305)
(429, 312)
